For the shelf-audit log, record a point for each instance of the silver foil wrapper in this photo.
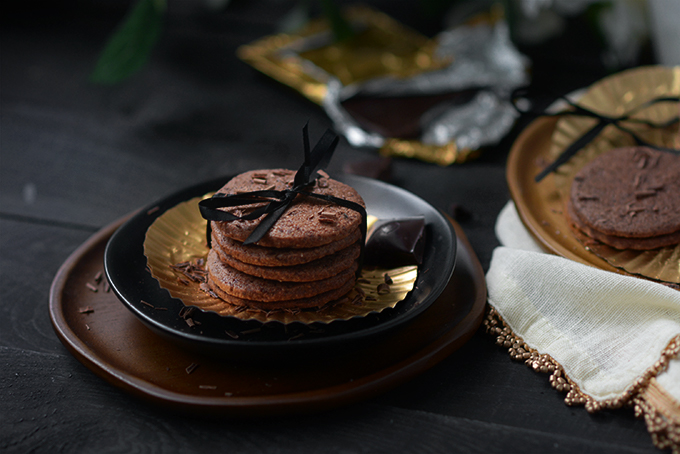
(484, 61)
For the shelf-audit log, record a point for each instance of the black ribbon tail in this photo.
(602, 122)
(572, 150)
(278, 201)
(275, 211)
(319, 157)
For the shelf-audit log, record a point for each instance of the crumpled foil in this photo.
(484, 59)
(476, 62)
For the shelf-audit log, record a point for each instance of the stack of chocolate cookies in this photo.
(307, 259)
(628, 198)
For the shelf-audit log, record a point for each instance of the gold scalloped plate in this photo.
(614, 96)
(178, 235)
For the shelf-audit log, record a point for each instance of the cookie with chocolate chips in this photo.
(308, 221)
(269, 256)
(315, 270)
(628, 198)
(246, 286)
(307, 259)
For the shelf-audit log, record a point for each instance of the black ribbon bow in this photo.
(603, 122)
(279, 201)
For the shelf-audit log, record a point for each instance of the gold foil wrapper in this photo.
(436, 154)
(178, 236)
(307, 59)
(615, 96)
(385, 61)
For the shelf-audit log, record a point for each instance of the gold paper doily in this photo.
(178, 236)
(614, 96)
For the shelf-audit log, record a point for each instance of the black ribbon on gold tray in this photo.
(279, 201)
(603, 122)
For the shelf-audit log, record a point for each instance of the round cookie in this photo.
(640, 244)
(308, 221)
(630, 193)
(264, 256)
(316, 270)
(303, 303)
(244, 286)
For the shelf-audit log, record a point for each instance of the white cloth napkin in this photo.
(605, 329)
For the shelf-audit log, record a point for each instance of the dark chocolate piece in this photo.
(400, 116)
(396, 242)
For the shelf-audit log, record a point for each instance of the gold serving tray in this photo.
(542, 205)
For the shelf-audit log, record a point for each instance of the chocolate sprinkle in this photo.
(251, 331)
(186, 312)
(91, 287)
(192, 271)
(191, 367)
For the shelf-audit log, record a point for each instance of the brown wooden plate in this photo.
(101, 333)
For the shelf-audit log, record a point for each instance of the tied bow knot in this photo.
(602, 122)
(278, 201)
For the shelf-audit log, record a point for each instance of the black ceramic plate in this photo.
(125, 265)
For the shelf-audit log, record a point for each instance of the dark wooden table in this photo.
(74, 157)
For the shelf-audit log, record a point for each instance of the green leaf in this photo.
(296, 18)
(129, 47)
(341, 28)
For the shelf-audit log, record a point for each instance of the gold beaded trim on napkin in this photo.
(650, 401)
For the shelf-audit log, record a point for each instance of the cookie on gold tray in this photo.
(312, 302)
(308, 221)
(246, 286)
(628, 198)
(254, 254)
(308, 258)
(315, 270)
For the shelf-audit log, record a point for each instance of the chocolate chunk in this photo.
(396, 242)
(400, 116)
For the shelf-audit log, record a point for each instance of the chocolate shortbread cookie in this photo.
(629, 198)
(313, 302)
(316, 270)
(308, 221)
(265, 256)
(241, 285)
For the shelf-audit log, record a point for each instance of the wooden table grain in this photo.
(75, 156)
